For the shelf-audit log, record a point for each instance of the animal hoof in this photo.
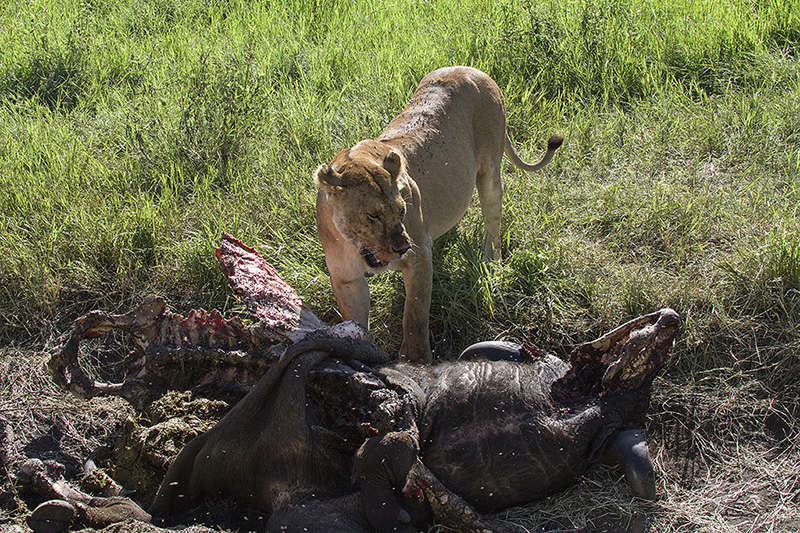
(53, 516)
(115, 509)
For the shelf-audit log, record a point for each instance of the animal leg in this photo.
(352, 297)
(629, 449)
(418, 281)
(448, 508)
(66, 503)
(310, 515)
(381, 466)
(347, 280)
(490, 192)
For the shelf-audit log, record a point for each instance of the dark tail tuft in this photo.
(554, 142)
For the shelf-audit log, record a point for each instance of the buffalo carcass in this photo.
(335, 437)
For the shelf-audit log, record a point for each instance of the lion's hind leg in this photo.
(490, 193)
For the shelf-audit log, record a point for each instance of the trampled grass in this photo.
(132, 133)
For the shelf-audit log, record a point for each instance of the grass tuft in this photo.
(54, 75)
(220, 116)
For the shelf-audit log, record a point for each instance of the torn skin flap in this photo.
(270, 300)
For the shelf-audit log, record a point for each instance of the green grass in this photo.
(132, 133)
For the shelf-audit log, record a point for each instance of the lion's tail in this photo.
(552, 145)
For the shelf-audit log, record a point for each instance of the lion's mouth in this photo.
(370, 258)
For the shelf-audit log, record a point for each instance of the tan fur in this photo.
(409, 186)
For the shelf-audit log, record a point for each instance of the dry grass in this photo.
(726, 452)
(47, 422)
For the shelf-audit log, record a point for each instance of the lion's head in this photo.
(362, 186)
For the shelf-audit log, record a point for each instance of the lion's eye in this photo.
(373, 218)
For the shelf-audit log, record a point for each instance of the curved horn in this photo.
(493, 351)
(629, 449)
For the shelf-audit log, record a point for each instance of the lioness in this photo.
(382, 202)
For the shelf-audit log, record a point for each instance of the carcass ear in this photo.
(326, 177)
(392, 164)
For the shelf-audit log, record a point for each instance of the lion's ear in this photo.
(325, 176)
(392, 164)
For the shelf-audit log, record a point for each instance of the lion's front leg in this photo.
(352, 296)
(418, 281)
(347, 280)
